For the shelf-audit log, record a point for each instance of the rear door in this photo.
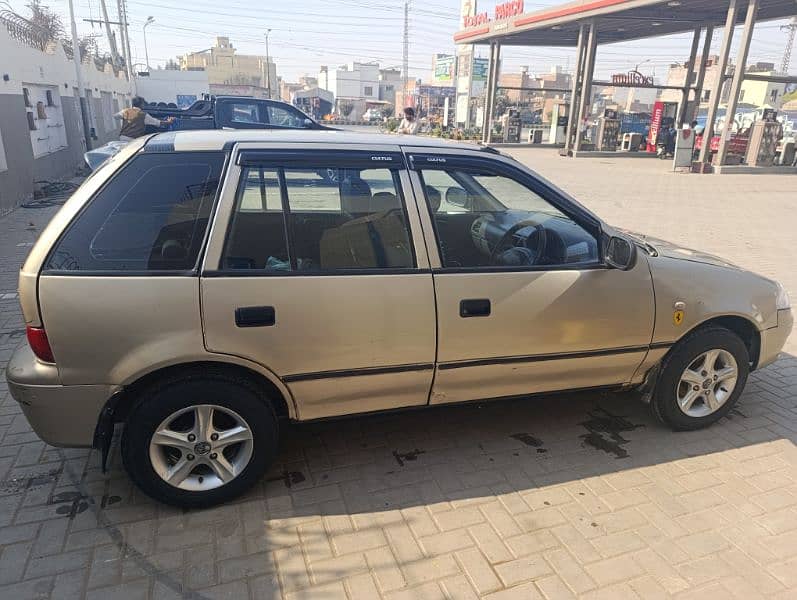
(326, 283)
(524, 302)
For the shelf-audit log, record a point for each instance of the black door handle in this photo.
(474, 308)
(255, 316)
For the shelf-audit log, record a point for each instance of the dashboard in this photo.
(523, 238)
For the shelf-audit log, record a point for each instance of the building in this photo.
(355, 87)
(42, 133)
(539, 95)
(315, 102)
(288, 89)
(676, 76)
(429, 101)
(762, 93)
(390, 80)
(181, 88)
(227, 70)
(352, 81)
(632, 100)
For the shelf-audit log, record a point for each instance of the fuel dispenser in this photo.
(511, 126)
(559, 116)
(608, 130)
(764, 135)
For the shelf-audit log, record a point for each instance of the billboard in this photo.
(444, 67)
(480, 68)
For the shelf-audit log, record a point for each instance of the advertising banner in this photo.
(655, 125)
(444, 68)
(480, 68)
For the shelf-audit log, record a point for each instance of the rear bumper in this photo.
(773, 339)
(61, 415)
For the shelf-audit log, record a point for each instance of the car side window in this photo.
(248, 113)
(151, 216)
(283, 117)
(485, 219)
(327, 219)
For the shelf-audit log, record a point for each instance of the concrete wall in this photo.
(24, 66)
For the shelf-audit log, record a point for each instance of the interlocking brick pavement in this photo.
(498, 501)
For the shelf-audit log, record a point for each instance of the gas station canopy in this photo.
(615, 20)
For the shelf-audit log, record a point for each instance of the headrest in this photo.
(383, 201)
(355, 196)
(435, 198)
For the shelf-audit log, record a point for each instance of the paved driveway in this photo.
(571, 495)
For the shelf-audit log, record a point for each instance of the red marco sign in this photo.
(509, 9)
(502, 11)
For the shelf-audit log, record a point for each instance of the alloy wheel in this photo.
(707, 383)
(201, 447)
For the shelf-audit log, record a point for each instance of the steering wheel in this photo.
(539, 252)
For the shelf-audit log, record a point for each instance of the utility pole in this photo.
(124, 40)
(268, 66)
(111, 37)
(791, 28)
(405, 63)
(81, 90)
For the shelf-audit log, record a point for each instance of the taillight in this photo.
(37, 338)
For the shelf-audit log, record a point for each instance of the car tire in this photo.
(233, 405)
(698, 385)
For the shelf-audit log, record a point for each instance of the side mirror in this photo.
(621, 253)
(457, 196)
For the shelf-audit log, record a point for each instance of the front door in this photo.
(524, 301)
(324, 281)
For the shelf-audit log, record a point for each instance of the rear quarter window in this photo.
(152, 216)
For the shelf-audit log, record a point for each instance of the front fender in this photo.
(703, 292)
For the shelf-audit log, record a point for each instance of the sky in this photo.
(308, 33)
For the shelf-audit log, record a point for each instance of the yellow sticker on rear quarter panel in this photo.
(678, 317)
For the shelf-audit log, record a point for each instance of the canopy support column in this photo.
(690, 71)
(738, 77)
(572, 125)
(701, 70)
(716, 92)
(492, 88)
(586, 89)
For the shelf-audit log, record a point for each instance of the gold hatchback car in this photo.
(202, 286)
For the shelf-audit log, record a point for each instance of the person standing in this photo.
(409, 124)
(135, 120)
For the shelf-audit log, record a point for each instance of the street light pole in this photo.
(268, 66)
(150, 21)
(79, 77)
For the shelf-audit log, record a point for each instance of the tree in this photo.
(88, 46)
(46, 20)
(387, 111)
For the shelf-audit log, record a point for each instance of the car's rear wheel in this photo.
(701, 379)
(199, 441)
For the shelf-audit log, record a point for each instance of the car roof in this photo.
(214, 139)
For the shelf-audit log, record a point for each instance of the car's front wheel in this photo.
(199, 441)
(701, 379)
